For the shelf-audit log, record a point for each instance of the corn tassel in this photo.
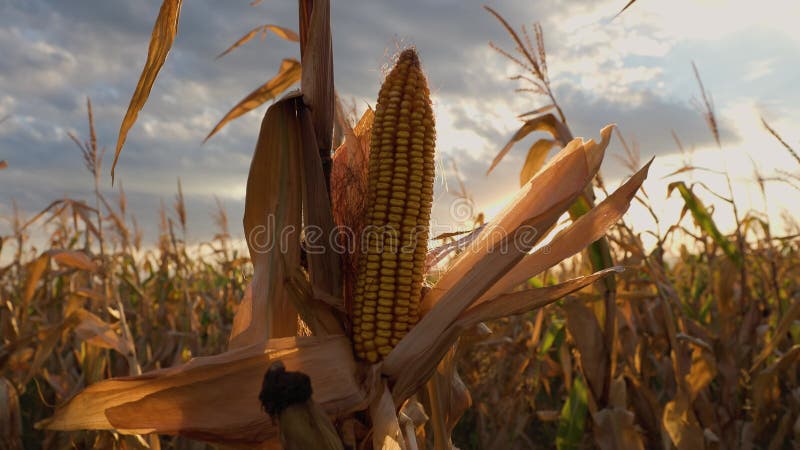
(399, 197)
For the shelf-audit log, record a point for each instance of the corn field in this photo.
(550, 325)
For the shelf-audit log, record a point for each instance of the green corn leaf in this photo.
(573, 417)
(705, 222)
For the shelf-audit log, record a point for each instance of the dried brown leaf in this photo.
(535, 159)
(272, 220)
(615, 429)
(681, 424)
(10, 417)
(35, 271)
(215, 398)
(95, 331)
(386, 433)
(279, 31)
(164, 31)
(73, 258)
(547, 123)
(587, 229)
(288, 75)
(498, 248)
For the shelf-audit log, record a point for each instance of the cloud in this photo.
(633, 70)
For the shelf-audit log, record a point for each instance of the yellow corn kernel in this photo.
(399, 196)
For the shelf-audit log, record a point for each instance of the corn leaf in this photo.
(585, 330)
(281, 32)
(627, 5)
(95, 331)
(535, 159)
(215, 398)
(73, 258)
(272, 219)
(164, 31)
(547, 123)
(35, 271)
(573, 417)
(288, 75)
(616, 429)
(386, 433)
(499, 247)
(10, 416)
(681, 423)
(789, 318)
(705, 222)
(585, 230)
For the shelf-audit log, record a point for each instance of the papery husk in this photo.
(386, 432)
(272, 210)
(215, 398)
(324, 262)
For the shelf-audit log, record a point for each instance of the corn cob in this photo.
(399, 196)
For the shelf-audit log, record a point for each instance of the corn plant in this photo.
(377, 375)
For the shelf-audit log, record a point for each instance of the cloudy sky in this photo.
(634, 70)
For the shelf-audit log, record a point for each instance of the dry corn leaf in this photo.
(279, 31)
(448, 399)
(386, 433)
(781, 331)
(272, 220)
(47, 340)
(288, 75)
(498, 248)
(317, 77)
(35, 271)
(547, 123)
(766, 389)
(505, 305)
(587, 229)
(73, 258)
(627, 5)
(585, 330)
(681, 424)
(95, 331)
(164, 31)
(215, 398)
(10, 417)
(702, 371)
(324, 262)
(528, 299)
(569, 170)
(535, 159)
(615, 429)
(93, 294)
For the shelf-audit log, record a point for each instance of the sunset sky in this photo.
(634, 70)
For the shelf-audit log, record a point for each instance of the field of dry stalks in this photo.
(693, 349)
